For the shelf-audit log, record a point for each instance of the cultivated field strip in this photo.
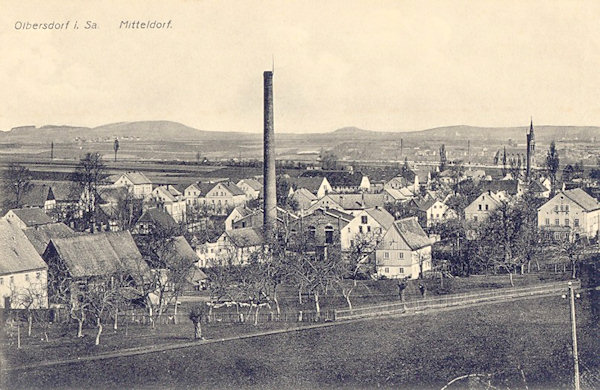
(454, 300)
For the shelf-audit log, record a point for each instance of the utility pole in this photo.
(574, 335)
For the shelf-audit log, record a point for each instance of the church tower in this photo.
(530, 151)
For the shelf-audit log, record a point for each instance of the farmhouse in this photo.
(405, 251)
(39, 196)
(171, 200)
(251, 187)
(303, 199)
(573, 210)
(481, 208)
(25, 218)
(316, 185)
(154, 218)
(23, 273)
(40, 236)
(236, 245)
(223, 197)
(369, 224)
(137, 183)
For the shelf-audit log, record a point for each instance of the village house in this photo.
(396, 183)
(40, 236)
(235, 246)
(431, 212)
(348, 182)
(256, 218)
(251, 187)
(405, 251)
(171, 200)
(137, 183)
(23, 273)
(303, 199)
(481, 208)
(76, 261)
(152, 219)
(223, 197)
(25, 218)
(237, 214)
(313, 232)
(369, 224)
(317, 185)
(393, 195)
(349, 203)
(39, 196)
(573, 210)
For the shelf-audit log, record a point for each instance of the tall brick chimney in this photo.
(269, 184)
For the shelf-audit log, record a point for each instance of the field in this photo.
(420, 351)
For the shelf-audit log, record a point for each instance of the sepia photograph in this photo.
(338, 194)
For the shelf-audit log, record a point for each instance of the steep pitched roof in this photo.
(511, 187)
(159, 217)
(343, 178)
(245, 237)
(382, 216)
(346, 217)
(17, 254)
(32, 217)
(582, 198)
(232, 188)
(306, 193)
(537, 187)
(112, 194)
(37, 196)
(65, 191)
(40, 236)
(312, 184)
(425, 204)
(137, 177)
(410, 230)
(252, 183)
(127, 251)
(86, 255)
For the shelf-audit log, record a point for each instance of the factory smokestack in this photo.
(269, 185)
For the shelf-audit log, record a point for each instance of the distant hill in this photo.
(177, 132)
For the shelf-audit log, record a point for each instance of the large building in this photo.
(573, 211)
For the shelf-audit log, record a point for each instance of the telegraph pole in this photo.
(574, 335)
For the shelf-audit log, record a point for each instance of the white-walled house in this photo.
(251, 187)
(137, 183)
(572, 209)
(224, 196)
(432, 212)
(23, 273)
(405, 251)
(236, 214)
(236, 245)
(366, 224)
(481, 208)
(171, 200)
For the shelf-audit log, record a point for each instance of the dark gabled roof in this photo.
(582, 198)
(40, 236)
(410, 230)
(37, 196)
(124, 246)
(158, 217)
(181, 249)
(245, 237)
(511, 187)
(537, 187)
(32, 216)
(65, 191)
(137, 178)
(382, 216)
(312, 184)
(340, 179)
(17, 254)
(425, 204)
(347, 217)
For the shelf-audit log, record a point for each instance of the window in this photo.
(386, 255)
(576, 222)
(386, 270)
(312, 232)
(487, 207)
(12, 280)
(557, 222)
(27, 277)
(547, 221)
(368, 228)
(360, 230)
(400, 255)
(480, 207)
(566, 221)
(363, 219)
(1, 281)
(328, 234)
(475, 218)
(401, 270)
(566, 207)
(556, 208)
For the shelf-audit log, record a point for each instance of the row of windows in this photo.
(567, 222)
(561, 208)
(487, 207)
(386, 255)
(38, 276)
(387, 270)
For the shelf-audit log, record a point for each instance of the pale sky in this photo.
(379, 65)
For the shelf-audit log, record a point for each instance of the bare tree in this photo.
(99, 299)
(16, 183)
(86, 181)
